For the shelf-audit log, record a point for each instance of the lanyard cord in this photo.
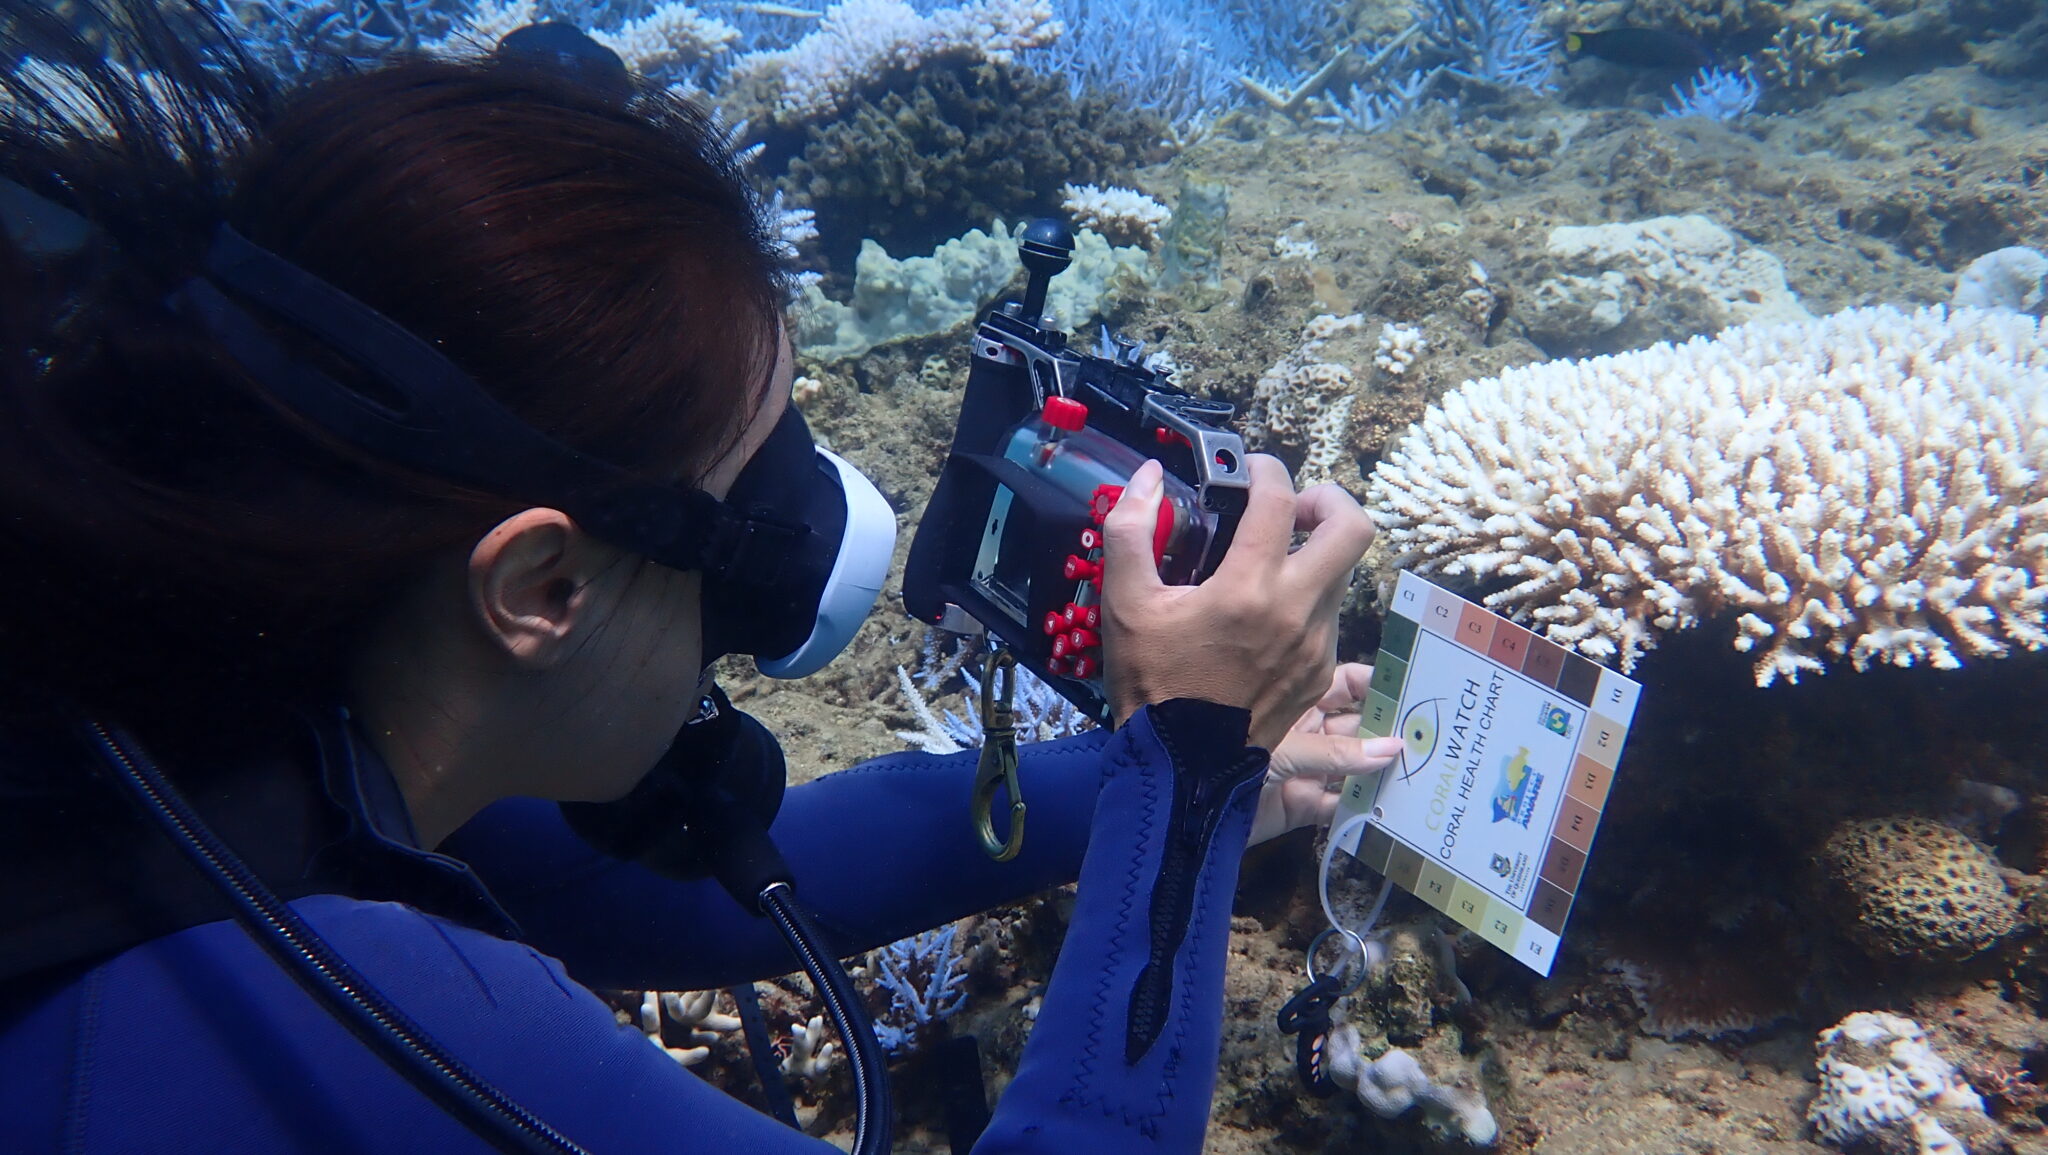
(1337, 838)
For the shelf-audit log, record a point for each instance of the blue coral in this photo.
(923, 975)
(1180, 61)
(1371, 111)
(1493, 42)
(1715, 94)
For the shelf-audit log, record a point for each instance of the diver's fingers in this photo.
(1266, 528)
(1348, 686)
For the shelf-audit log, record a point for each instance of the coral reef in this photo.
(1801, 53)
(923, 976)
(1714, 94)
(924, 296)
(1915, 889)
(807, 1057)
(1119, 214)
(1038, 713)
(860, 42)
(1185, 62)
(693, 1013)
(1301, 407)
(1878, 1073)
(1399, 346)
(2014, 277)
(670, 36)
(1862, 487)
(1497, 42)
(1621, 286)
(951, 149)
(1394, 1083)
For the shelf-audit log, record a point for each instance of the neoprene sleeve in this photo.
(880, 851)
(195, 1042)
(1123, 1055)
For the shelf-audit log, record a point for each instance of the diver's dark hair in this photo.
(170, 546)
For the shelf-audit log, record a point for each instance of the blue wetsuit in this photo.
(196, 1041)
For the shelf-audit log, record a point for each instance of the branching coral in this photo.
(1039, 713)
(1869, 487)
(1120, 214)
(857, 41)
(695, 1012)
(1714, 94)
(923, 976)
(1801, 53)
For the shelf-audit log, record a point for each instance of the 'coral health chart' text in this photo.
(1512, 744)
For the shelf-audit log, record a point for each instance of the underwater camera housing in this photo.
(1012, 542)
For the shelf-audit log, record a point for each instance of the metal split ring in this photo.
(1315, 944)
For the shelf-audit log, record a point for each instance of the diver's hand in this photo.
(1261, 633)
(1320, 751)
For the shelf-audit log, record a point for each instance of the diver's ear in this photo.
(532, 584)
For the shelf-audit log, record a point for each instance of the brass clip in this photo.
(998, 765)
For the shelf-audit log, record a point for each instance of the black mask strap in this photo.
(429, 415)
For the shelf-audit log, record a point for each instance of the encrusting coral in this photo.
(1879, 1078)
(1868, 486)
(1913, 888)
(1303, 403)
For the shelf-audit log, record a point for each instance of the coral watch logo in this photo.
(1555, 719)
(1514, 798)
(1418, 732)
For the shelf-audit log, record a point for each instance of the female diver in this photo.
(375, 662)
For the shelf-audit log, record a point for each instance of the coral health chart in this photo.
(1511, 742)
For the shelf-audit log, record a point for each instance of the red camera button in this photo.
(1065, 413)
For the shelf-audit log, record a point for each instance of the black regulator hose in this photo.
(308, 958)
(874, 1122)
(706, 810)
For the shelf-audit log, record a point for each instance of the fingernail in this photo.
(1146, 482)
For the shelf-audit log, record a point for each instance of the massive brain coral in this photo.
(1912, 888)
(1868, 486)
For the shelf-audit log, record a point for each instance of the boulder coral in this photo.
(1914, 889)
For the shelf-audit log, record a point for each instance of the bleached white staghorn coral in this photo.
(691, 1010)
(1304, 402)
(673, 33)
(486, 24)
(858, 40)
(1400, 345)
(809, 1055)
(1117, 213)
(1868, 486)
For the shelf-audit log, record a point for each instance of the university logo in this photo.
(1514, 798)
(1555, 719)
(1501, 865)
